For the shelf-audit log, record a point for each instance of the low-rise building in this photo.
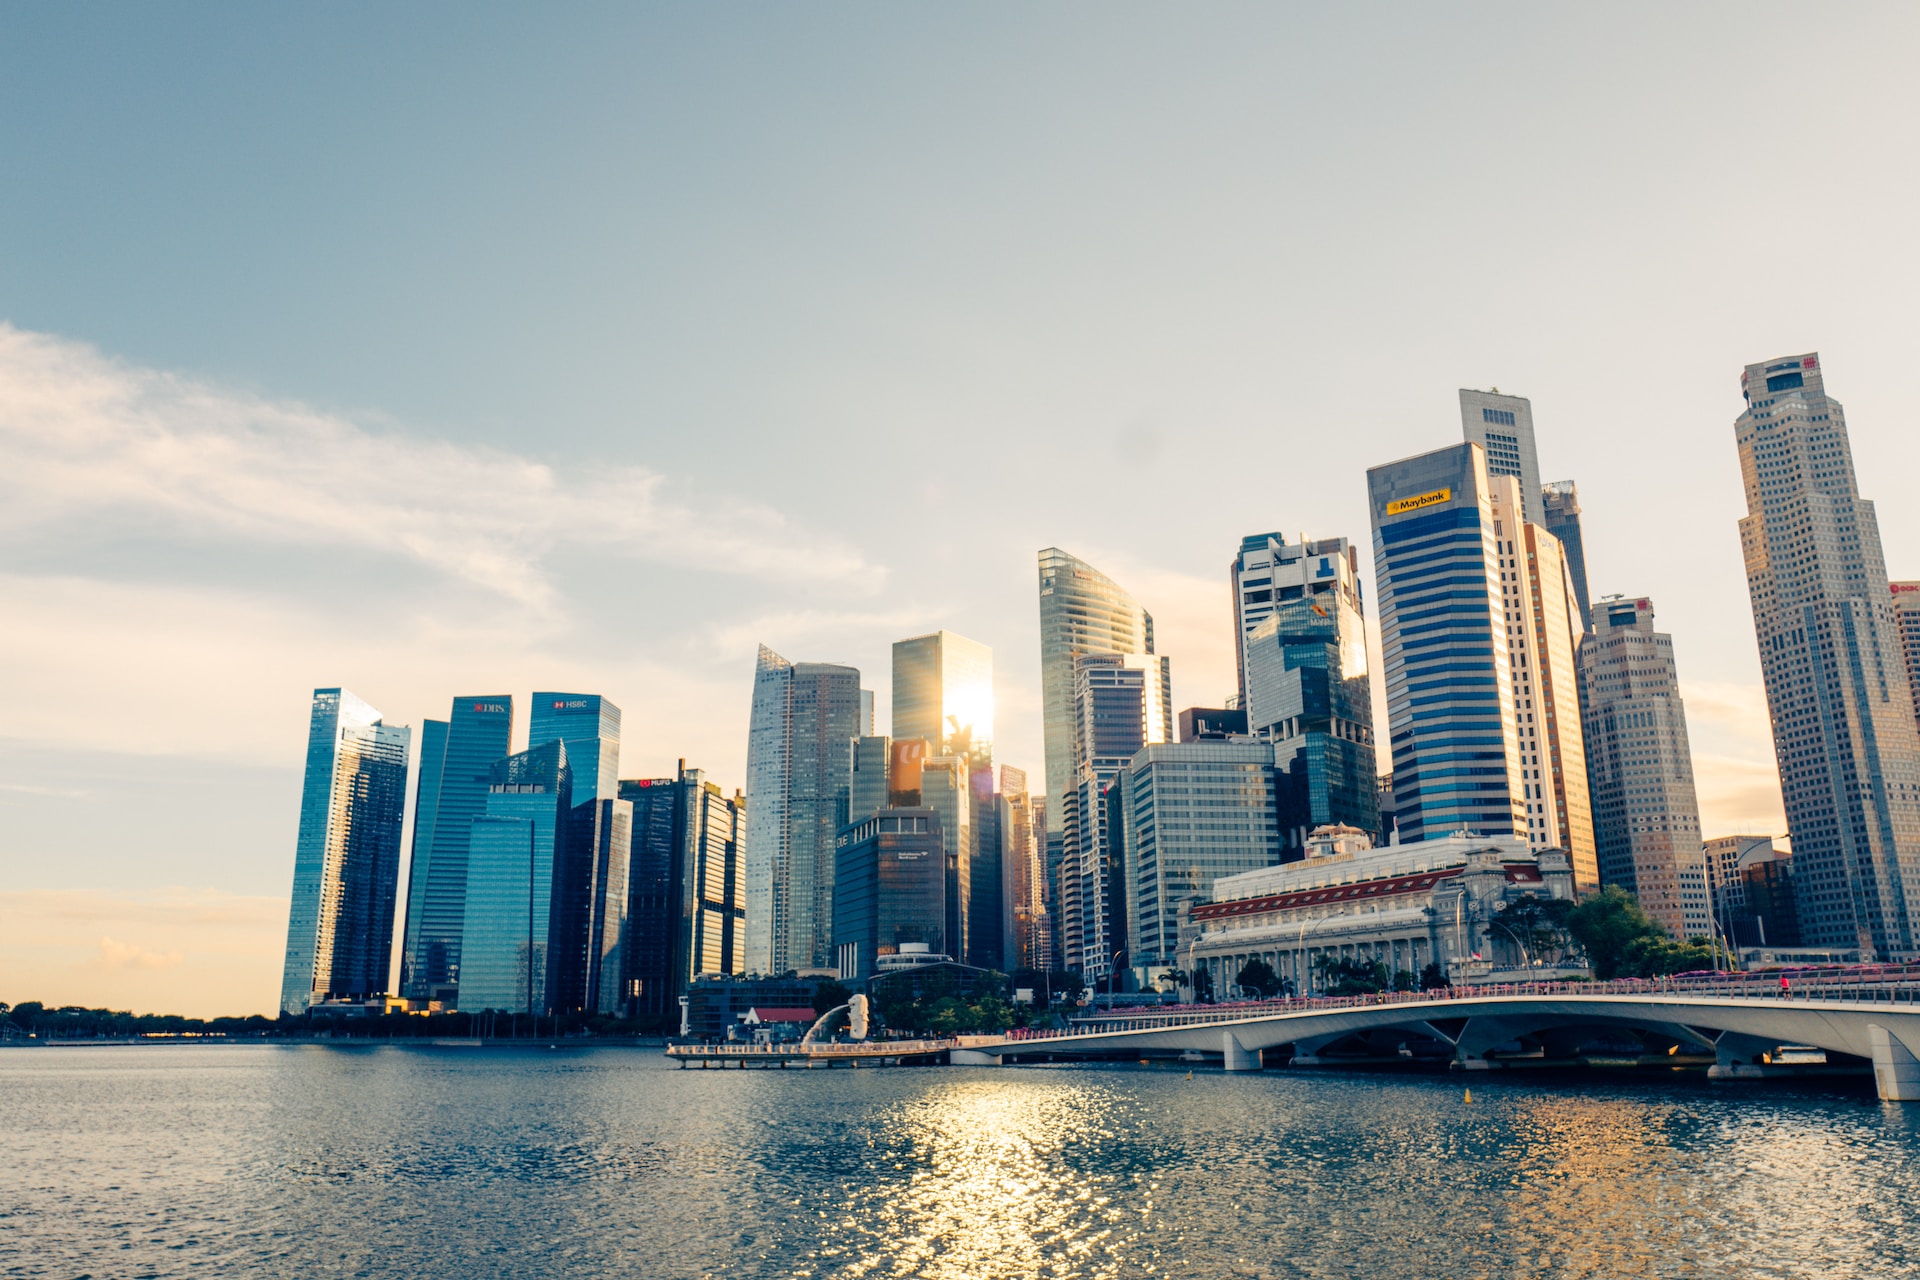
(1406, 906)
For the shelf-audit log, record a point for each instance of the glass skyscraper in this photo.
(890, 890)
(688, 897)
(1837, 683)
(1447, 654)
(590, 726)
(1308, 691)
(515, 952)
(347, 858)
(943, 692)
(1562, 502)
(478, 733)
(1123, 702)
(1082, 611)
(799, 763)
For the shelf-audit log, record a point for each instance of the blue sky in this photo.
(446, 349)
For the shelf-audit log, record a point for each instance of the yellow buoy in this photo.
(1469, 1095)
(1189, 1075)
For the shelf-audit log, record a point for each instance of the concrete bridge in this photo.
(1747, 1032)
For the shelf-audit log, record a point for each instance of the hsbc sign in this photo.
(573, 704)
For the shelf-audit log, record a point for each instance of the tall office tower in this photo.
(1646, 820)
(590, 726)
(1194, 811)
(867, 786)
(1021, 864)
(1270, 571)
(1045, 945)
(1906, 611)
(945, 789)
(1503, 426)
(686, 894)
(1446, 647)
(426, 792)
(516, 952)
(1730, 860)
(890, 890)
(1562, 502)
(1082, 611)
(1123, 702)
(609, 904)
(799, 767)
(1304, 670)
(943, 692)
(1837, 687)
(866, 713)
(989, 900)
(478, 732)
(346, 863)
(1543, 633)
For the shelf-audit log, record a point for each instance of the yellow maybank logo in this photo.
(1402, 505)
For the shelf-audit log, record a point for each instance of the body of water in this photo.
(314, 1161)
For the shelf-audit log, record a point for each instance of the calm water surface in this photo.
(313, 1161)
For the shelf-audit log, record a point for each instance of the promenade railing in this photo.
(1882, 984)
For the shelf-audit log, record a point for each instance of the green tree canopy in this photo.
(1258, 976)
(1615, 932)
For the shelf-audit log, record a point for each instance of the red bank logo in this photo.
(1807, 363)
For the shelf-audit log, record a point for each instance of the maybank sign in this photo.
(1400, 506)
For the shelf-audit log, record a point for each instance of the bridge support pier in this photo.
(1738, 1057)
(1236, 1056)
(1896, 1071)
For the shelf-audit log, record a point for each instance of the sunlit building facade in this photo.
(1544, 633)
(1645, 814)
(1503, 426)
(1561, 500)
(943, 692)
(799, 764)
(346, 865)
(478, 733)
(1906, 612)
(1838, 691)
(1082, 611)
(1269, 571)
(946, 788)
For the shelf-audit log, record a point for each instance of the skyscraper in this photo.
(1906, 611)
(590, 726)
(1446, 648)
(478, 733)
(609, 902)
(799, 763)
(1192, 812)
(1082, 611)
(518, 953)
(945, 789)
(1123, 702)
(1837, 686)
(1562, 502)
(1503, 426)
(890, 890)
(1269, 571)
(1543, 633)
(1307, 691)
(687, 895)
(867, 790)
(943, 692)
(346, 862)
(1022, 859)
(1645, 817)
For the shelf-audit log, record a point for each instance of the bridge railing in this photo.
(1886, 984)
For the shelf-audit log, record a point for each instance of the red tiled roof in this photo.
(1391, 886)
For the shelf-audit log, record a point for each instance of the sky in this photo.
(450, 349)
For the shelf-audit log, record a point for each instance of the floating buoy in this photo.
(1143, 1062)
(1469, 1095)
(1189, 1075)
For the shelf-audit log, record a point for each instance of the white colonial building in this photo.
(1406, 905)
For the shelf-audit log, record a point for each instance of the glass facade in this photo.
(607, 939)
(347, 856)
(590, 726)
(479, 733)
(799, 768)
(1503, 427)
(943, 692)
(426, 806)
(1082, 611)
(687, 896)
(945, 789)
(517, 947)
(1447, 657)
(890, 889)
(1561, 500)
(1837, 684)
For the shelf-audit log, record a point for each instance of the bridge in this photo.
(1749, 1029)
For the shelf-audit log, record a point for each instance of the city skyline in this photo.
(725, 363)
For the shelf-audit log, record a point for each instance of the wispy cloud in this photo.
(88, 437)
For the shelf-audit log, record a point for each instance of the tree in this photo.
(1540, 926)
(1403, 980)
(1258, 976)
(1609, 925)
(829, 995)
(1432, 979)
(1342, 977)
(1656, 957)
